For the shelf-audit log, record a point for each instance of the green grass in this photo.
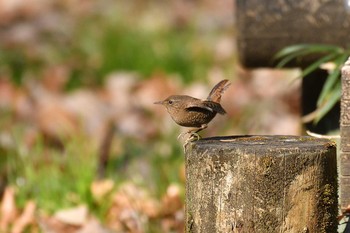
(121, 48)
(101, 47)
(54, 179)
(58, 179)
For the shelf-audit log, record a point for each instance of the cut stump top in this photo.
(264, 142)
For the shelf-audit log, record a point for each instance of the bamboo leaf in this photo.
(334, 97)
(317, 64)
(309, 48)
(332, 79)
(290, 57)
(331, 90)
(291, 52)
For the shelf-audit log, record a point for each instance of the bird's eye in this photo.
(170, 102)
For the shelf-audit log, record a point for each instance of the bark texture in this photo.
(261, 184)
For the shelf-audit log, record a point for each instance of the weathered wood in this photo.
(345, 138)
(261, 184)
(266, 27)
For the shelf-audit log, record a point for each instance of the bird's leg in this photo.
(194, 136)
(193, 132)
(191, 138)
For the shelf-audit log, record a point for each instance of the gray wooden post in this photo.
(264, 29)
(345, 138)
(261, 184)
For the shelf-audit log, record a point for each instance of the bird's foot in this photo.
(193, 137)
(181, 135)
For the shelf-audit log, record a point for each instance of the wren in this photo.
(191, 112)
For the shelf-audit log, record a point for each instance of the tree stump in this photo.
(261, 184)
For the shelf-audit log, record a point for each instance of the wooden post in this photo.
(264, 29)
(345, 138)
(261, 184)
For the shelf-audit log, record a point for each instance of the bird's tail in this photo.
(218, 90)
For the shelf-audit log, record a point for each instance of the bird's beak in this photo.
(159, 102)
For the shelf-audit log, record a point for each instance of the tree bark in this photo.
(261, 184)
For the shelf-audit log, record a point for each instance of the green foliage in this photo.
(331, 91)
(58, 179)
(100, 46)
(53, 178)
(124, 49)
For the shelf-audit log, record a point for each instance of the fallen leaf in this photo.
(158, 87)
(52, 225)
(131, 209)
(55, 78)
(100, 188)
(8, 208)
(171, 201)
(74, 216)
(92, 113)
(118, 87)
(93, 226)
(26, 218)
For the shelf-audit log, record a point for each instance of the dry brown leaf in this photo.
(93, 226)
(172, 210)
(8, 208)
(55, 78)
(174, 223)
(136, 124)
(158, 87)
(54, 120)
(118, 88)
(22, 105)
(171, 201)
(91, 111)
(7, 92)
(76, 216)
(26, 218)
(131, 221)
(131, 209)
(53, 225)
(100, 188)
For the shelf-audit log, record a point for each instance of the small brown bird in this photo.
(191, 112)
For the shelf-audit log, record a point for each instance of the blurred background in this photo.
(83, 147)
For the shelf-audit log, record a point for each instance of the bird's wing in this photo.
(199, 108)
(215, 106)
(218, 90)
(206, 106)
